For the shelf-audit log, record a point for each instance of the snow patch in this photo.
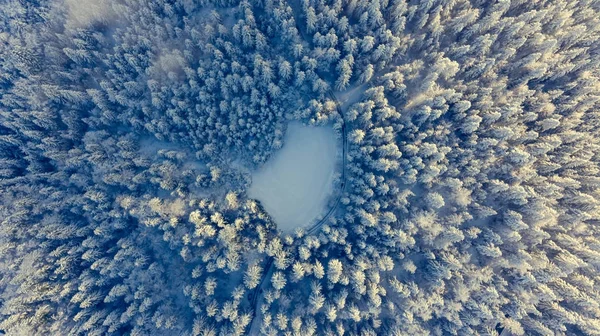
(84, 13)
(295, 184)
(351, 96)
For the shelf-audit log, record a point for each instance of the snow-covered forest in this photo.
(466, 197)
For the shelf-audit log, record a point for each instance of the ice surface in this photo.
(294, 185)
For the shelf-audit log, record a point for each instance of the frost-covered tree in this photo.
(466, 199)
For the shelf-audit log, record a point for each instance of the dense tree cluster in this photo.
(471, 185)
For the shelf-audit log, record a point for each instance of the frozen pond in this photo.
(295, 184)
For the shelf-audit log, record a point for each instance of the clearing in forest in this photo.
(296, 182)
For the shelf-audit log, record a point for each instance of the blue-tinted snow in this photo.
(295, 184)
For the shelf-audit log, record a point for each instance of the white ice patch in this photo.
(295, 184)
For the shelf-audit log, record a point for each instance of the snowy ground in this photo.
(350, 96)
(295, 184)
